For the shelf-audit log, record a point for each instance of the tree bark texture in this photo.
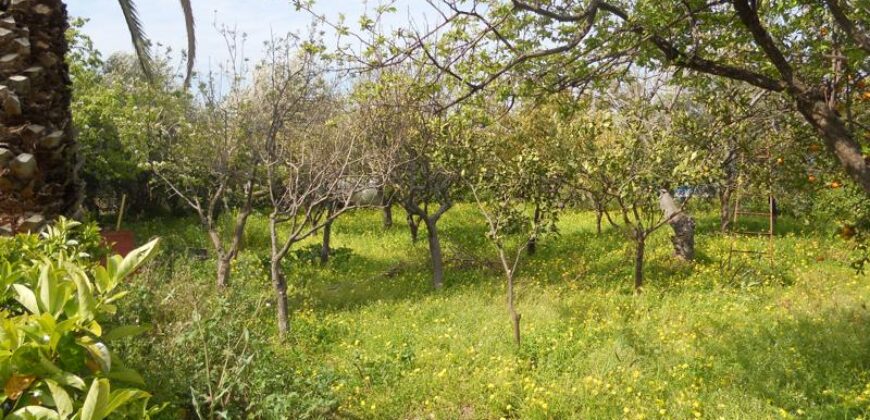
(39, 158)
(324, 247)
(682, 224)
(414, 227)
(640, 251)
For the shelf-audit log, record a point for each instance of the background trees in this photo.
(812, 53)
(214, 165)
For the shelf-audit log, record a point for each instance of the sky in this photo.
(259, 19)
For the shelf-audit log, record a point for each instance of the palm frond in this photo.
(140, 40)
(191, 40)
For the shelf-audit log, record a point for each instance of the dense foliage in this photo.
(58, 306)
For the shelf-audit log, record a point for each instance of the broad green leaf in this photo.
(62, 400)
(27, 298)
(121, 397)
(112, 265)
(47, 288)
(33, 412)
(84, 294)
(126, 331)
(102, 279)
(127, 375)
(96, 401)
(135, 259)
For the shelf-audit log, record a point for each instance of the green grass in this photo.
(371, 339)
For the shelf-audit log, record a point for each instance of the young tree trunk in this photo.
(598, 216)
(726, 211)
(39, 158)
(512, 310)
(435, 253)
(640, 250)
(726, 191)
(279, 282)
(222, 257)
(224, 270)
(324, 247)
(532, 248)
(682, 224)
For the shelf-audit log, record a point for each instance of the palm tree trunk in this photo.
(38, 154)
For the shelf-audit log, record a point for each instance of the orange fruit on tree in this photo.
(811, 178)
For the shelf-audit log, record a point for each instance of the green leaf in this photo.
(127, 375)
(126, 331)
(135, 259)
(102, 279)
(96, 401)
(27, 298)
(33, 412)
(84, 293)
(121, 397)
(47, 288)
(62, 400)
(101, 354)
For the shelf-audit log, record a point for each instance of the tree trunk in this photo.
(224, 268)
(837, 137)
(512, 310)
(640, 249)
(435, 253)
(388, 212)
(682, 224)
(598, 216)
(726, 211)
(324, 247)
(414, 226)
(39, 158)
(726, 191)
(533, 241)
(279, 282)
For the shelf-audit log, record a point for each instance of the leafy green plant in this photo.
(310, 254)
(55, 362)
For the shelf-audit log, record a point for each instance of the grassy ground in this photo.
(371, 339)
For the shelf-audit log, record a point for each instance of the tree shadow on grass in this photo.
(819, 363)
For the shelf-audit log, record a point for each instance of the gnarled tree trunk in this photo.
(38, 153)
(682, 224)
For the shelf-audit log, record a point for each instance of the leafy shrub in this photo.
(311, 254)
(54, 358)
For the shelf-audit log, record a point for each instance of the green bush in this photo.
(55, 360)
